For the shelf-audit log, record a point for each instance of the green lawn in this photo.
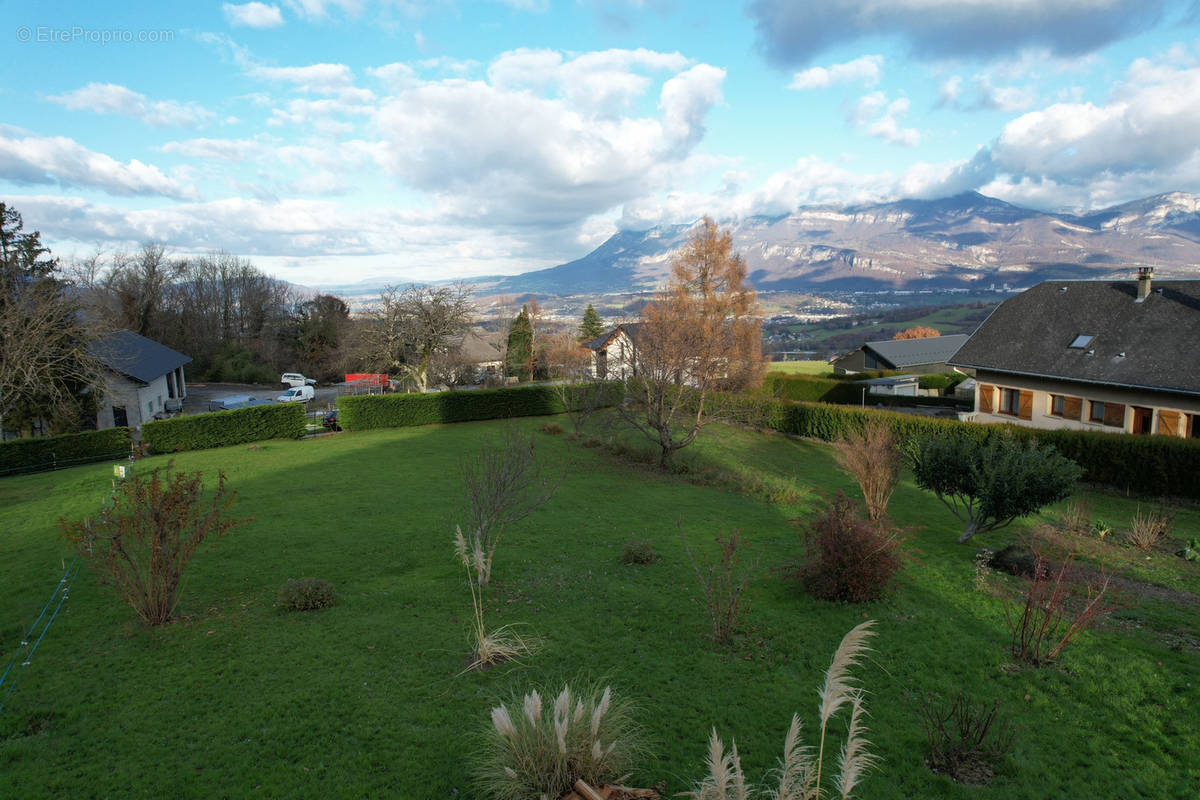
(801, 367)
(369, 699)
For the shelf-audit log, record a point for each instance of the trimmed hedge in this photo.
(365, 412)
(220, 428)
(810, 388)
(67, 450)
(1150, 465)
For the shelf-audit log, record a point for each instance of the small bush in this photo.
(533, 751)
(966, 739)
(1056, 606)
(724, 584)
(143, 540)
(872, 457)
(1015, 559)
(307, 594)
(638, 551)
(1147, 530)
(850, 560)
(552, 428)
(1076, 517)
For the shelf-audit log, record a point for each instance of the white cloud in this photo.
(57, 159)
(866, 69)
(395, 77)
(987, 97)
(111, 98)
(253, 15)
(880, 118)
(544, 142)
(318, 10)
(233, 150)
(314, 78)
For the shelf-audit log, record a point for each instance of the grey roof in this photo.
(136, 356)
(902, 353)
(602, 341)
(1148, 345)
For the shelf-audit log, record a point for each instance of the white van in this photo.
(296, 379)
(297, 394)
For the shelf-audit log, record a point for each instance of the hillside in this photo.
(958, 242)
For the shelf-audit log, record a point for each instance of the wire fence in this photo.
(41, 626)
(64, 463)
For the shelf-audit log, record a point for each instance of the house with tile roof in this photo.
(614, 352)
(1116, 356)
(145, 379)
(920, 356)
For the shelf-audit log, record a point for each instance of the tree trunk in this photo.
(972, 529)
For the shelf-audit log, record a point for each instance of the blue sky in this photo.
(331, 142)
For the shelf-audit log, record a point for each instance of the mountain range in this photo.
(964, 241)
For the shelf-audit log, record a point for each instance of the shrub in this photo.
(552, 428)
(966, 739)
(810, 388)
(638, 551)
(849, 560)
(143, 541)
(1190, 551)
(221, 428)
(505, 483)
(1077, 517)
(307, 594)
(1057, 604)
(987, 486)
(533, 751)
(55, 452)
(724, 585)
(800, 772)
(1147, 530)
(871, 456)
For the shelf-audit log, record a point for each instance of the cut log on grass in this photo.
(582, 791)
(588, 793)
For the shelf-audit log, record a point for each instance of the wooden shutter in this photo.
(1072, 407)
(1025, 407)
(986, 398)
(1168, 423)
(1114, 415)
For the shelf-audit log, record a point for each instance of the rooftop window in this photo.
(1082, 340)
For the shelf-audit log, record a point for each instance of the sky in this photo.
(336, 141)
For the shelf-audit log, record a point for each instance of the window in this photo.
(1097, 412)
(1010, 401)
(1058, 405)
(1194, 427)
(150, 407)
(1082, 340)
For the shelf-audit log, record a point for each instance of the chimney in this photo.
(1144, 276)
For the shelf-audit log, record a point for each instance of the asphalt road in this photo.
(199, 394)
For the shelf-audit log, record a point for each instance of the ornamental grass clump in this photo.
(801, 774)
(872, 457)
(540, 749)
(488, 647)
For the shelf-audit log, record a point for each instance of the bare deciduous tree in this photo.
(579, 390)
(698, 335)
(505, 483)
(410, 326)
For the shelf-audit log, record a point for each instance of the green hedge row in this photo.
(364, 412)
(1150, 465)
(220, 428)
(810, 388)
(55, 452)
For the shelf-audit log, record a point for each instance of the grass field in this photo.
(801, 367)
(370, 698)
(944, 320)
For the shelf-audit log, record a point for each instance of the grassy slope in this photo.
(367, 699)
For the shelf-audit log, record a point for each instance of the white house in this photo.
(614, 353)
(145, 378)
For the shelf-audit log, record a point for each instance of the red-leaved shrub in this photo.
(849, 559)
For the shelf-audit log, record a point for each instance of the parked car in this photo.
(330, 420)
(296, 379)
(297, 394)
